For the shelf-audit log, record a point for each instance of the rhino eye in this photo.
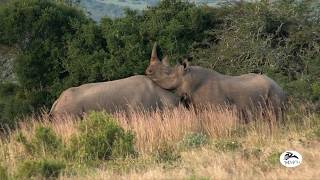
(149, 71)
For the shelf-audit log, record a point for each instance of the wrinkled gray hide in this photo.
(132, 93)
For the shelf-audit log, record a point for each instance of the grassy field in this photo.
(175, 144)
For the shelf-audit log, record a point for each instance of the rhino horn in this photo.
(165, 61)
(154, 56)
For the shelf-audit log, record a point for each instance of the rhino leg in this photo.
(186, 101)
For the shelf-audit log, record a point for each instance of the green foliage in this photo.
(44, 168)
(13, 103)
(194, 140)
(46, 139)
(39, 30)
(124, 146)
(227, 145)
(44, 142)
(176, 25)
(278, 39)
(86, 56)
(29, 147)
(129, 39)
(3, 173)
(315, 87)
(274, 158)
(101, 138)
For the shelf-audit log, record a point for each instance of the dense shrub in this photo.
(39, 30)
(280, 39)
(43, 168)
(175, 25)
(100, 137)
(13, 103)
(44, 142)
(47, 139)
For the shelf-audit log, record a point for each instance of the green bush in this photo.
(13, 103)
(3, 173)
(227, 145)
(194, 140)
(44, 141)
(39, 30)
(29, 147)
(40, 169)
(46, 138)
(278, 39)
(102, 138)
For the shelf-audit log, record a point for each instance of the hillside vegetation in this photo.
(115, 8)
(57, 46)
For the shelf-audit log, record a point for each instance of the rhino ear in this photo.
(183, 66)
(165, 61)
(154, 56)
(185, 63)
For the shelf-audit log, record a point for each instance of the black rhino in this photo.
(201, 86)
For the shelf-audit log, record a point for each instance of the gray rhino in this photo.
(132, 93)
(201, 86)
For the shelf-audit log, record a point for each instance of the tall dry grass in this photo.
(154, 129)
(168, 126)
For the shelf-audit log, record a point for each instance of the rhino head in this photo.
(163, 74)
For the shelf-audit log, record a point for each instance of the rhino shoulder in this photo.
(143, 81)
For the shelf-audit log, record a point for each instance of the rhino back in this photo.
(208, 86)
(136, 92)
(248, 89)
